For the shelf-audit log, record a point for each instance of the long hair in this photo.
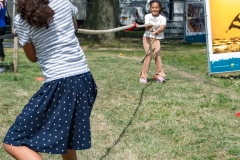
(37, 13)
(156, 1)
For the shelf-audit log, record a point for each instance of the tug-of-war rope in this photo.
(84, 31)
(126, 28)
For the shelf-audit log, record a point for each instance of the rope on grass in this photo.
(126, 28)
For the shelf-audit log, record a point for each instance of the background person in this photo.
(3, 26)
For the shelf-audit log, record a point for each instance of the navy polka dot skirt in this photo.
(57, 117)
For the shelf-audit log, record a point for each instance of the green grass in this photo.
(190, 117)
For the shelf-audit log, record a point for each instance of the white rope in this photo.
(86, 31)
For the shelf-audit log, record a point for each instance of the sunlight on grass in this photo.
(191, 116)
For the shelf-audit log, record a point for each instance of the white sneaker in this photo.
(160, 79)
(143, 80)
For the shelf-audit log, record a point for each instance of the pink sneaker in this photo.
(143, 80)
(160, 79)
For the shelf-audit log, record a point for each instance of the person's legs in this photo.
(21, 153)
(148, 51)
(2, 55)
(70, 155)
(158, 61)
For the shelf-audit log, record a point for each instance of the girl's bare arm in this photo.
(30, 52)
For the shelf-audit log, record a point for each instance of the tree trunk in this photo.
(102, 14)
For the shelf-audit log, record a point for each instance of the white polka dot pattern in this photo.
(57, 117)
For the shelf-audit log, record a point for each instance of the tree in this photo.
(101, 15)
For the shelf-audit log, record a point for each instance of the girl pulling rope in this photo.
(56, 119)
(151, 42)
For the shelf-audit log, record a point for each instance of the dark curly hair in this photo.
(37, 13)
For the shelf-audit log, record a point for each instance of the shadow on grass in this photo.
(151, 80)
(227, 76)
(4, 68)
(127, 126)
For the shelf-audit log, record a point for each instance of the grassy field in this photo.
(190, 117)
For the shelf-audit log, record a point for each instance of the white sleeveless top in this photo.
(156, 22)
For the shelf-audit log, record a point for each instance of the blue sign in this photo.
(228, 65)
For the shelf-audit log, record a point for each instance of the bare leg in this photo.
(70, 155)
(22, 152)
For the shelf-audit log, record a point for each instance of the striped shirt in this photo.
(57, 48)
